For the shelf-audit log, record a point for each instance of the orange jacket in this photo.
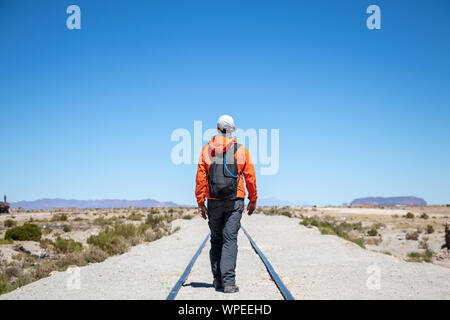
(219, 144)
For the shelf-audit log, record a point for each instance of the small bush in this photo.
(4, 285)
(101, 221)
(409, 215)
(20, 282)
(135, 217)
(372, 232)
(46, 243)
(114, 240)
(270, 212)
(124, 230)
(312, 221)
(59, 217)
(412, 236)
(333, 228)
(94, 254)
(430, 229)
(6, 241)
(108, 243)
(13, 272)
(9, 223)
(426, 256)
(415, 256)
(423, 244)
(42, 270)
(67, 228)
(67, 245)
(150, 235)
(424, 216)
(154, 220)
(26, 232)
(286, 214)
(187, 217)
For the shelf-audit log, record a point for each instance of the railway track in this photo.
(269, 268)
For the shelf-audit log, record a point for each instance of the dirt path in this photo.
(312, 266)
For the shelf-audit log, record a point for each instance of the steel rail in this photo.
(284, 291)
(173, 293)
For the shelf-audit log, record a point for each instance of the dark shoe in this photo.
(217, 283)
(231, 289)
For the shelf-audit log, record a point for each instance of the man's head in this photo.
(225, 125)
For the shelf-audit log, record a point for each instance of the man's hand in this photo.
(251, 208)
(202, 211)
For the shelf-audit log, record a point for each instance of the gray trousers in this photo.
(224, 220)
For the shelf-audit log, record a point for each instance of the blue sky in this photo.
(88, 114)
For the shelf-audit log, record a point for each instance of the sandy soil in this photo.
(82, 224)
(147, 271)
(391, 239)
(316, 266)
(392, 233)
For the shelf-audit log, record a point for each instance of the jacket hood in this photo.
(219, 144)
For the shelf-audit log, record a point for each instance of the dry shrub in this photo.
(67, 245)
(59, 217)
(13, 272)
(412, 235)
(94, 254)
(9, 223)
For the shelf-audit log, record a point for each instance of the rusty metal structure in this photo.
(4, 206)
(447, 236)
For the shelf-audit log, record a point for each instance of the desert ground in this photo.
(319, 252)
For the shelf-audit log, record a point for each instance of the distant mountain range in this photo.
(45, 204)
(90, 204)
(390, 201)
(272, 201)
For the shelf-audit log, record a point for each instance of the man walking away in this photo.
(222, 168)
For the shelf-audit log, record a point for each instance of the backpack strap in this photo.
(235, 147)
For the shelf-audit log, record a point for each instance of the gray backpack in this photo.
(223, 175)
